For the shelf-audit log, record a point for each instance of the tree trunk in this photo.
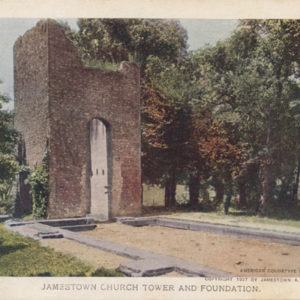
(229, 191)
(173, 189)
(268, 184)
(268, 181)
(296, 186)
(194, 186)
(219, 192)
(167, 193)
(242, 202)
(170, 190)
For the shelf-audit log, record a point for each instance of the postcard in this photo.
(149, 149)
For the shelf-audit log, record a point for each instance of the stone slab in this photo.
(137, 221)
(242, 232)
(146, 267)
(49, 235)
(24, 230)
(74, 224)
(162, 264)
(4, 218)
(35, 231)
(83, 227)
(68, 221)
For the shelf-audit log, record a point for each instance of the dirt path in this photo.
(242, 257)
(91, 255)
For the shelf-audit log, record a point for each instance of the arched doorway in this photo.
(100, 169)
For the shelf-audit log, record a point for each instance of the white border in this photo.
(227, 9)
(31, 288)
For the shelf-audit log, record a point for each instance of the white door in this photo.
(99, 178)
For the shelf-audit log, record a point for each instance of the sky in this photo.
(201, 32)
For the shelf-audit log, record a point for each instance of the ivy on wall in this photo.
(39, 188)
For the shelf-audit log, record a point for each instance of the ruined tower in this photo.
(88, 120)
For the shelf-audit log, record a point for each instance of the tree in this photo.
(265, 81)
(166, 125)
(220, 153)
(214, 153)
(248, 80)
(8, 164)
(115, 40)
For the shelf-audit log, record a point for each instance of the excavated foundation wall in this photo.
(56, 98)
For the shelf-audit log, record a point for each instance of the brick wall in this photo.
(31, 91)
(56, 98)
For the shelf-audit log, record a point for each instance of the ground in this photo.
(94, 256)
(236, 218)
(227, 253)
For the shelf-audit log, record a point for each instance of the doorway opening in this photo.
(100, 169)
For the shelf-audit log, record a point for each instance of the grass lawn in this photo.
(21, 256)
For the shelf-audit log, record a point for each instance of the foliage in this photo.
(103, 66)
(8, 169)
(226, 116)
(21, 256)
(266, 82)
(8, 164)
(248, 83)
(115, 40)
(166, 125)
(165, 133)
(39, 188)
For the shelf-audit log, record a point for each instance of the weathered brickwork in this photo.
(55, 99)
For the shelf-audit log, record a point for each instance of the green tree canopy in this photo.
(8, 164)
(115, 40)
(249, 81)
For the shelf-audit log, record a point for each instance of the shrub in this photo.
(39, 179)
(8, 169)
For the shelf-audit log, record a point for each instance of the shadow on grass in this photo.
(7, 249)
(44, 274)
(282, 215)
(241, 214)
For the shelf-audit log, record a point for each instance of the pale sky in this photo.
(200, 33)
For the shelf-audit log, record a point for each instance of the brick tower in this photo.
(88, 120)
